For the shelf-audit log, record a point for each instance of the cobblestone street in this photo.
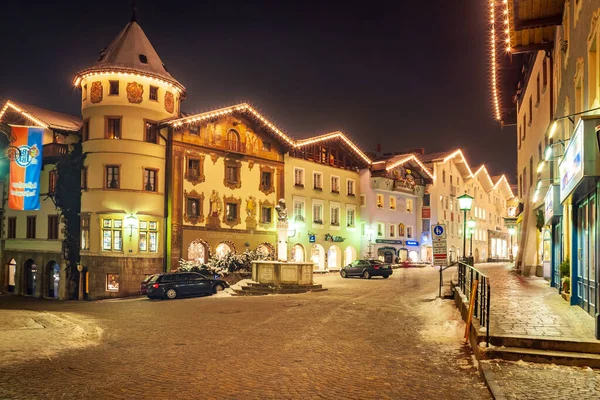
(361, 339)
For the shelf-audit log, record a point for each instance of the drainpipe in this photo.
(168, 198)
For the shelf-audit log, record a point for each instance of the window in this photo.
(392, 202)
(379, 201)
(409, 205)
(84, 92)
(335, 216)
(150, 180)
(85, 130)
(299, 210)
(112, 177)
(30, 227)
(151, 135)
(318, 213)
(540, 151)
(427, 199)
(112, 282)
(144, 59)
(148, 236)
(426, 225)
(298, 177)
(84, 185)
(350, 213)
(153, 93)
(266, 146)
(409, 232)
(317, 180)
(450, 179)
(379, 229)
(266, 180)
(335, 184)
(524, 126)
(401, 230)
(363, 200)
(545, 73)
(193, 168)
(232, 174)
(530, 110)
(444, 176)
(113, 88)
(351, 184)
(193, 207)
(537, 92)
(52, 179)
(112, 234)
(12, 227)
(52, 226)
(113, 128)
(194, 130)
(265, 215)
(85, 232)
(530, 171)
(392, 230)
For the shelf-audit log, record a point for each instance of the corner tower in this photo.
(124, 96)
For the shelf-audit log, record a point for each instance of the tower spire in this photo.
(133, 11)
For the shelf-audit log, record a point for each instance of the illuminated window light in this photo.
(548, 153)
(540, 167)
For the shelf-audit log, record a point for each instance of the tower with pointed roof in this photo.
(125, 94)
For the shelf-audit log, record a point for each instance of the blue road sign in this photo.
(438, 230)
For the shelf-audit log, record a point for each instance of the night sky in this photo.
(405, 74)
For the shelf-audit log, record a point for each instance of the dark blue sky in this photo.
(406, 74)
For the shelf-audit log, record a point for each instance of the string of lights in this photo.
(22, 112)
(127, 73)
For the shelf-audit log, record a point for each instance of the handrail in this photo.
(466, 274)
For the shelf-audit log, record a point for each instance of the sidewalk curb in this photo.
(490, 381)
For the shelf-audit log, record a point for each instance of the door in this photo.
(556, 255)
(586, 254)
(388, 257)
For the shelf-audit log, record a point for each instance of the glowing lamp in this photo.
(552, 130)
(548, 153)
(131, 221)
(471, 223)
(511, 231)
(538, 186)
(465, 202)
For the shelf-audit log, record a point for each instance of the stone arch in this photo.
(334, 257)
(349, 255)
(403, 254)
(12, 271)
(52, 280)
(29, 278)
(198, 251)
(298, 253)
(267, 250)
(318, 256)
(224, 248)
(387, 254)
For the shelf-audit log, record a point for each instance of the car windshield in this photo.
(375, 262)
(154, 278)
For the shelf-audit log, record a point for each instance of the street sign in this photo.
(439, 232)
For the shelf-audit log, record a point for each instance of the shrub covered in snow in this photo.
(223, 265)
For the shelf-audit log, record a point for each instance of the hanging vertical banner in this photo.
(25, 168)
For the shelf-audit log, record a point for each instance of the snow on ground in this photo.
(443, 323)
(230, 290)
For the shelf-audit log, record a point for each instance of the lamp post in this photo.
(369, 232)
(511, 232)
(80, 269)
(464, 203)
(471, 225)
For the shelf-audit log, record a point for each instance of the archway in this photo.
(349, 255)
(266, 250)
(452, 253)
(198, 252)
(334, 257)
(223, 249)
(403, 255)
(413, 256)
(298, 253)
(30, 276)
(318, 256)
(12, 270)
(387, 254)
(52, 279)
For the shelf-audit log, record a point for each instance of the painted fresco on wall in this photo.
(96, 92)
(135, 92)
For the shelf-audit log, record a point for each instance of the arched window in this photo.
(400, 230)
(233, 141)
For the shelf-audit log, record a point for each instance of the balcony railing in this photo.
(235, 146)
(52, 152)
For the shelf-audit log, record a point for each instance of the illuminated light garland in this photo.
(411, 157)
(483, 168)
(459, 152)
(494, 71)
(127, 73)
(334, 135)
(24, 113)
(503, 178)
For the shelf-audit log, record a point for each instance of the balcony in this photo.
(397, 185)
(52, 152)
(235, 146)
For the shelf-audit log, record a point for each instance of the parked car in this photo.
(144, 284)
(181, 284)
(367, 269)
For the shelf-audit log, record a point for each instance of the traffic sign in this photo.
(439, 231)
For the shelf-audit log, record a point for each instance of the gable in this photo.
(332, 148)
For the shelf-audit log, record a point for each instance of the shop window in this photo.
(151, 134)
(85, 232)
(12, 227)
(112, 234)
(153, 93)
(112, 282)
(52, 226)
(113, 88)
(112, 177)
(113, 128)
(150, 184)
(148, 236)
(30, 227)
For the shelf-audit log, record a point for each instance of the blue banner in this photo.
(25, 169)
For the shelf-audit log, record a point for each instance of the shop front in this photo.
(391, 251)
(553, 237)
(579, 177)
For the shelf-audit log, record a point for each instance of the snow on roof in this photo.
(47, 118)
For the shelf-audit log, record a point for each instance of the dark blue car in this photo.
(182, 284)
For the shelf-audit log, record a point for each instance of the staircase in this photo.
(263, 289)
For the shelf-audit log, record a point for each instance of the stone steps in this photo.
(551, 344)
(262, 289)
(575, 359)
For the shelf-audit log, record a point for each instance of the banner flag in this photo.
(25, 169)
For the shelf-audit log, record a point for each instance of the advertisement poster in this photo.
(25, 168)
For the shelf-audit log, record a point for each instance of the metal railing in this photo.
(466, 275)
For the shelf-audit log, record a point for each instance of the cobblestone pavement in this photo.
(361, 339)
(529, 381)
(528, 306)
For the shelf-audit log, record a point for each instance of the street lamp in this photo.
(464, 203)
(132, 222)
(369, 233)
(471, 224)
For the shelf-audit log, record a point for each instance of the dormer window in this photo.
(143, 59)
(113, 89)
